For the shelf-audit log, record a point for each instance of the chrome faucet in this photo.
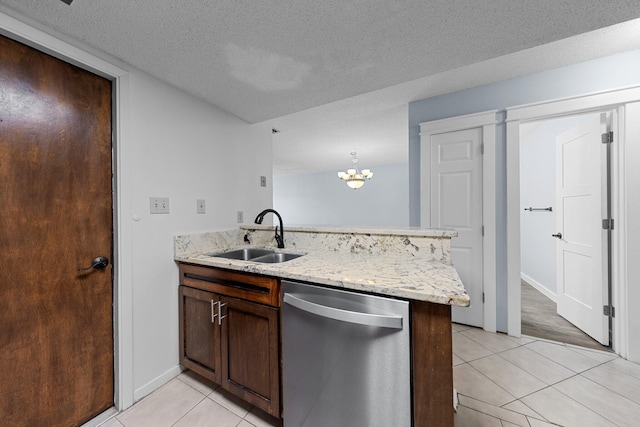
(279, 237)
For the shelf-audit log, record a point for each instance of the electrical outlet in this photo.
(201, 206)
(240, 217)
(263, 181)
(159, 205)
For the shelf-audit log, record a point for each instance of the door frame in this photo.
(614, 101)
(13, 26)
(487, 121)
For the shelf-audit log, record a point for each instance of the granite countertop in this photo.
(390, 272)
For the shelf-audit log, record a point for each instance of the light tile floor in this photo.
(190, 400)
(504, 381)
(501, 381)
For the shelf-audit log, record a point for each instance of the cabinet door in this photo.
(250, 356)
(200, 333)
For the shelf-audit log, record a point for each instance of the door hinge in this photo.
(483, 297)
(482, 148)
(483, 231)
(607, 137)
(607, 224)
(609, 310)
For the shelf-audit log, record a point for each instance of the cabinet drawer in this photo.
(261, 289)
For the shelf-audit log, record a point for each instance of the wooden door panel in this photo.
(247, 344)
(56, 349)
(199, 333)
(250, 356)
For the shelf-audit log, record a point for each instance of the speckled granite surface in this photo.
(412, 264)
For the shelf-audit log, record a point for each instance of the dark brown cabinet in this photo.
(199, 335)
(229, 332)
(250, 356)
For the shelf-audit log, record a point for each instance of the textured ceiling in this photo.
(264, 60)
(375, 124)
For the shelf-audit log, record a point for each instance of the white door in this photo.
(456, 203)
(580, 238)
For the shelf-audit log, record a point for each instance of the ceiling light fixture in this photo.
(353, 177)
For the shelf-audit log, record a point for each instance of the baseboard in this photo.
(101, 418)
(156, 383)
(539, 287)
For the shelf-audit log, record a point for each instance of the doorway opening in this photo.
(563, 187)
(564, 194)
(458, 191)
(621, 104)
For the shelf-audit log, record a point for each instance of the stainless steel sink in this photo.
(276, 257)
(256, 255)
(244, 254)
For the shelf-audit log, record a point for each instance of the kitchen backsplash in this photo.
(424, 244)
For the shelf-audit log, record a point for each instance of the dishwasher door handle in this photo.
(378, 320)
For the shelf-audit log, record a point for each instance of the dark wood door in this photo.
(250, 356)
(56, 339)
(200, 332)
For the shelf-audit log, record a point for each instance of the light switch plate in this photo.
(201, 206)
(159, 205)
(263, 181)
(240, 217)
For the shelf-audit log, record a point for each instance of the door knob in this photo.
(97, 264)
(557, 236)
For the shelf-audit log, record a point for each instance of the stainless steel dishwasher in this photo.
(346, 358)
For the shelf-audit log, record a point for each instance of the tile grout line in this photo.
(574, 373)
(500, 351)
(484, 413)
(502, 408)
(490, 380)
(584, 406)
(604, 386)
(593, 358)
(207, 396)
(578, 351)
(189, 411)
(204, 396)
(516, 399)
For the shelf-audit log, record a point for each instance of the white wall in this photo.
(537, 189)
(615, 71)
(323, 199)
(184, 149)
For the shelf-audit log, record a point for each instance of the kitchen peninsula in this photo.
(406, 264)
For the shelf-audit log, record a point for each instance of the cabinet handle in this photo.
(220, 316)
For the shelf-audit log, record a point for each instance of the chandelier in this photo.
(354, 177)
